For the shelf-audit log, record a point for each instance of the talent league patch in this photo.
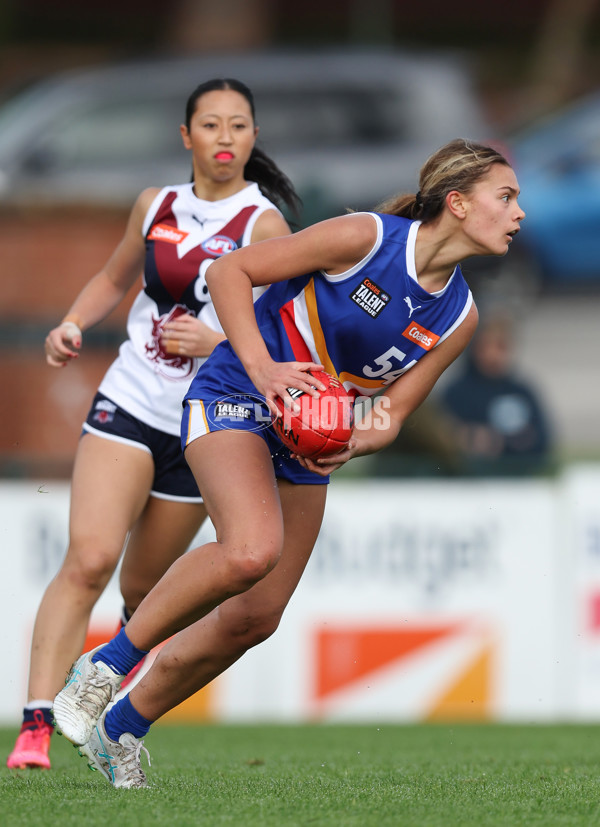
(229, 410)
(370, 297)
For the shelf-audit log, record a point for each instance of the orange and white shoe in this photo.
(32, 745)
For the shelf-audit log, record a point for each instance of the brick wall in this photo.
(45, 259)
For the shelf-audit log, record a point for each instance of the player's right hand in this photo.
(62, 344)
(275, 379)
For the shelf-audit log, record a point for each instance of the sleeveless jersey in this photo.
(367, 326)
(183, 235)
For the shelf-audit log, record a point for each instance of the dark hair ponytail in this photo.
(272, 182)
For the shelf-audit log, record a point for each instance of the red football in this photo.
(323, 425)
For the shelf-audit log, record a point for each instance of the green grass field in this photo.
(334, 775)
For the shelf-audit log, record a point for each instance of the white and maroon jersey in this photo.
(183, 235)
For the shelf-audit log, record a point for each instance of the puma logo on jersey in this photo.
(370, 297)
(423, 337)
(164, 232)
(410, 306)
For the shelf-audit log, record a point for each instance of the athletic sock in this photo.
(42, 706)
(119, 654)
(124, 717)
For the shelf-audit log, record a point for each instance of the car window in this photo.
(124, 131)
(139, 131)
(564, 143)
(335, 116)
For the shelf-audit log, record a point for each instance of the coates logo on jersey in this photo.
(423, 337)
(164, 232)
(218, 245)
(370, 297)
(170, 365)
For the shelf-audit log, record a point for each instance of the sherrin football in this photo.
(323, 424)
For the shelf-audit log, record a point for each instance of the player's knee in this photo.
(261, 630)
(90, 568)
(244, 633)
(249, 563)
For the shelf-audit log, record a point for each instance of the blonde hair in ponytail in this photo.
(458, 165)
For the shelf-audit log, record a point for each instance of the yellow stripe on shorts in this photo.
(197, 421)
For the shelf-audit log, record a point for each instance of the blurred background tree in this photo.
(532, 56)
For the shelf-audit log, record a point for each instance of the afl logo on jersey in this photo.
(218, 245)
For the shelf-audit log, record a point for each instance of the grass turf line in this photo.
(326, 775)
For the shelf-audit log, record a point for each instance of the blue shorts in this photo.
(173, 479)
(219, 400)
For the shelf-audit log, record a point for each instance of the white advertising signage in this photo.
(423, 600)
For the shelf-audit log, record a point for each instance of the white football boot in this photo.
(118, 761)
(89, 689)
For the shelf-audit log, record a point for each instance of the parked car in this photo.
(557, 162)
(349, 128)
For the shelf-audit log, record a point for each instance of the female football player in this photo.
(130, 477)
(377, 299)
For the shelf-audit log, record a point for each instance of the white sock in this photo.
(40, 704)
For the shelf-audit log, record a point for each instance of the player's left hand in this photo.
(327, 465)
(188, 336)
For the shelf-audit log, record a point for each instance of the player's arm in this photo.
(334, 245)
(269, 224)
(105, 290)
(405, 395)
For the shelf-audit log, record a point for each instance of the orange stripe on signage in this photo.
(346, 655)
(199, 708)
(468, 697)
(99, 634)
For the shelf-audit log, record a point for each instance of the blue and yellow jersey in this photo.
(367, 326)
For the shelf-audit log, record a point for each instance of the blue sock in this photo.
(120, 654)
(123, 717)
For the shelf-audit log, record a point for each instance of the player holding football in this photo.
(378, 300)
(130, 474)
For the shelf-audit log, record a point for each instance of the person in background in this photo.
(498, 419)
(377, 299)
(131, 484)
(425, 447)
